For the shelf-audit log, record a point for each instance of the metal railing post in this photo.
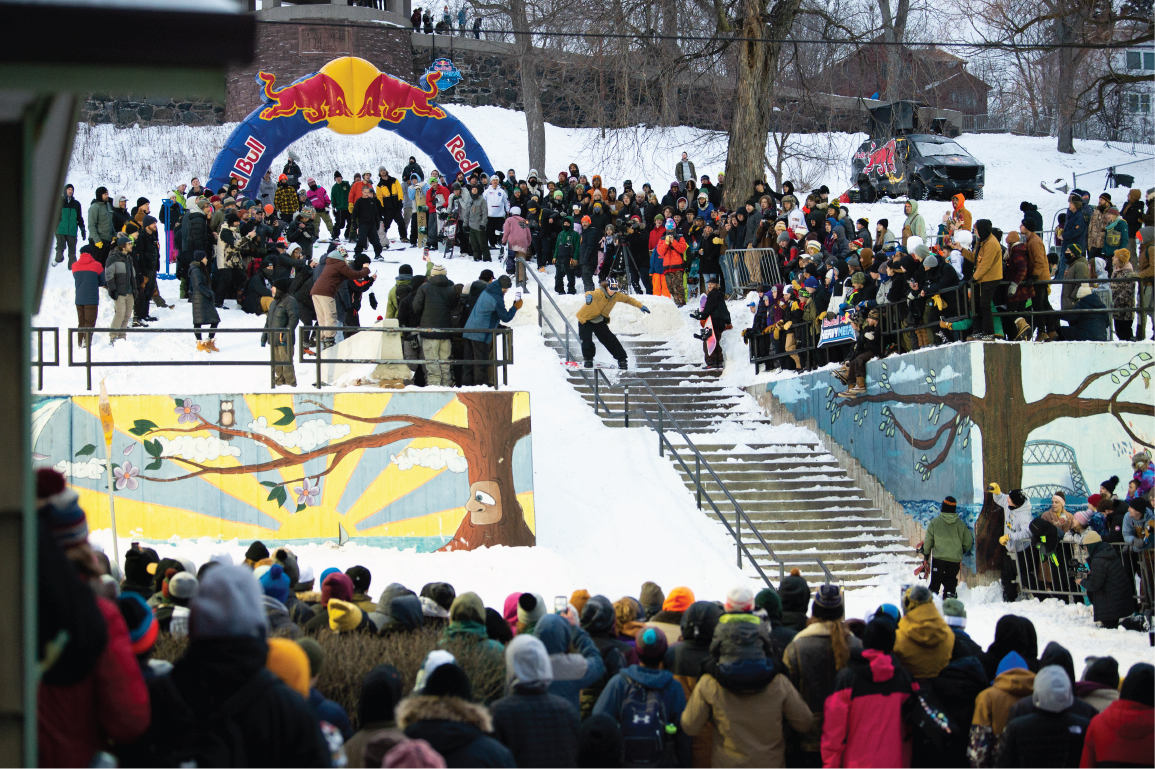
(661, 437)
(698, 477)
(597, 397)
(626, 404)
(738, 534)
(317, 354)
(88, 360)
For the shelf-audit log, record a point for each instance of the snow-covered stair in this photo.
(796, 495)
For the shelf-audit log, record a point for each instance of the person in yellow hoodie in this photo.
(1013, 681)
(594, 320)
(924, 641)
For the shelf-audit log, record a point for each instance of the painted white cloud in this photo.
(197, 449)
(308, 435)
(433, 458)
(94, 468)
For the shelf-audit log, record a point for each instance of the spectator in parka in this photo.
(88, 277)
(626, 700)
(283, 313)
(221, 705)
(1122, 735)
(324, 291)
(380, 693)
(100, 224)
(1013, 681)
(200, 294)
(71, 219)
(120, 282)
(539, 728)
(1052, 734)
(574, 671)
(947, 540)
(924, 642)
(1099, 686)
(684, 171)
(489, 312)
(1137, 526)
(862, 720)
(433, 302)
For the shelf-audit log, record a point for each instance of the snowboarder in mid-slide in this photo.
(594, 320)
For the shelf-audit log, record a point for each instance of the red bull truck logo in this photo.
(456, 147)
(317, 97)
(879, 160)
(389, 99)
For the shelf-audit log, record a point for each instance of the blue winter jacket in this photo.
(1087, 328)
(614, 695)
(557, 635)
(331, 712)
(488, 312)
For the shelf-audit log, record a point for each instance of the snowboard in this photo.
(577, 365)
(422, 231)
(712, 341)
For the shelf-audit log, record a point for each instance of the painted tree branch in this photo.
(452, 432)
(207, 425)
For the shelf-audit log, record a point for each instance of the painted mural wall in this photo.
(436, 470)
(948, 421)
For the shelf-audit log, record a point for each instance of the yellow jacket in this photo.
(989, 261)
(598, 303)
(924, 641)
(387, 191)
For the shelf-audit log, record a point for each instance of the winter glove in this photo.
(645, 309)
(869, 335)
(994, 489)
(939, 303)
(822, 316)
(112, 293)
(373, 301)
(517, 305)
(744, 339)
(786, 326)
(1004, 539)
(1012, 289)
(100, 244)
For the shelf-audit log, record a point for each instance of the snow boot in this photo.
(1024, 330)
(201, 346)
(859, 388)
(588, 363)
(623, 364)
(842, 375)
(211, 346)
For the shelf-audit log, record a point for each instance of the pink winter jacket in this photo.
(318, 197)
(516, 234)
(862, 720)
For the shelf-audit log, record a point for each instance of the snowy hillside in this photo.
(598, 526)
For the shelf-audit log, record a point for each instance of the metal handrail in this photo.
(304, 333)
(40, 363)
(664, 442)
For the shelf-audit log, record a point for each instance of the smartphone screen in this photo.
(559, 604)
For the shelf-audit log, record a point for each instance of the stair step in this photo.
(745, 489)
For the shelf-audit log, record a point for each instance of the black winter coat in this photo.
(366, 211)
(716, 310)
(220, 706)
(539, 728)
(588, 247)
(257, 287)
(1108, 586)
(283, 266)
(940, 278)
(433, 303)
(1043, 739)
(200, 293)
(454, 728)
(283, 313)
(195, 233)
(955, 689)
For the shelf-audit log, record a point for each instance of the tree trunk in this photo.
(668, 64)
(530, 85)
(1065, 107)
(893, 31)
(756, 63)
(490, 458)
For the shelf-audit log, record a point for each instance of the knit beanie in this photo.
(879, 634)
(415, 753)
(955, 612)
(794, 591)
(433, 660)
(828, 604)
(467, 607)
(652, 596)
(315, 654)
(441, 593)
(770, 602)
(257, 552)
(1139, 685)
(448, 680)
(343, 617)
(678, 600)
(948, 505)
(889, 612)
(740, 599)
(275, 583)
(360, 577)
(1084, 518)
(142, 625)
(578, 599)
(651, 644)
(336, 586)
(1110, 484)
(1052, 690)
(66, 521)
(304, 580)
(1103, 670)
(182, 586)
(290, 664)
(915, 595)
(227, 604)
(530, 608)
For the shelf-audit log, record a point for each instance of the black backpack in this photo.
(646, 741)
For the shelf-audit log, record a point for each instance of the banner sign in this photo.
(836, 330)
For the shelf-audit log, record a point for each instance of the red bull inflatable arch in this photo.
(349, 96)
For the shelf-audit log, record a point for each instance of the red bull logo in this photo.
(879, 160)
(318, 97)
(243, 167)
(456, 147)
(390, 99)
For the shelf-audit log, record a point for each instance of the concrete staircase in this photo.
(796, 495)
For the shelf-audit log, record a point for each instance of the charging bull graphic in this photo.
(318, 97)
(348, 95)
(390, 99)
(879, 160)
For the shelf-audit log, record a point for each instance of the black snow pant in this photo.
(1008, 574)
(231, 281)
(483, 373)
(564, 270)
(493, 227)
(144, 297)
(391, 216)
(944, 574)
(367, 232)
(587, 331)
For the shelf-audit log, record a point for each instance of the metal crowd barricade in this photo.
(748, 268)
(1052, 574)
(39, 363)
(891, 323)
(207, 360)
(317, 357)
(1107, 310)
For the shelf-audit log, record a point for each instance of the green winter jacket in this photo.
(1114, 237)
(340, 195)
(70, 217)
(100, 221)
(567, 236)
(948, 538)
(915, 222)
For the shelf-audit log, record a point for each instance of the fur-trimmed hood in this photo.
(424, 708)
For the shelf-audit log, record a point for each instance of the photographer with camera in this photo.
(672, 249)
(1106, 582)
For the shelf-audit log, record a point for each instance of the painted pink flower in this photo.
(308, 494)
(126, 476)
(187, 412)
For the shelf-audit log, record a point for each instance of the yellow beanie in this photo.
(290, 663)
(343, 617)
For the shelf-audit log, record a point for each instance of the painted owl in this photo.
(227, 418)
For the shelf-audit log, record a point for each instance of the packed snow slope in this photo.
(610, 512)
